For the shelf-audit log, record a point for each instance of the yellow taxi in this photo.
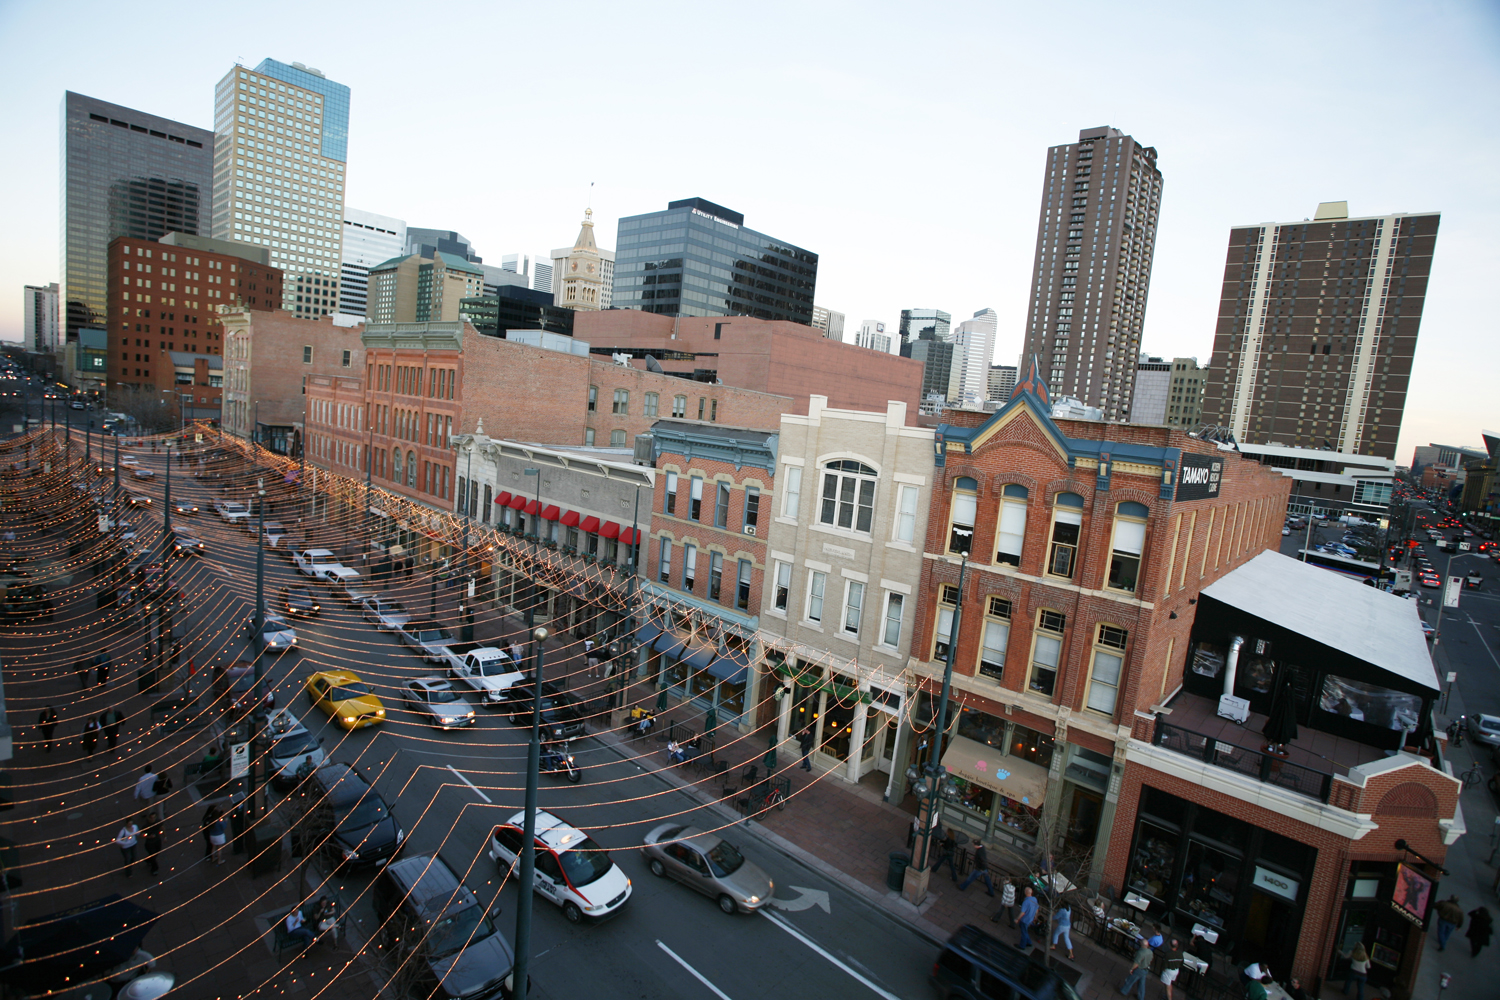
(346, 698)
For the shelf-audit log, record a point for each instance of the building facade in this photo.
(281, 138)
(426, 242)
(926, 324)
(830, 321)
(368, 240)
(1002, 381)
(940, 371)
(124, 173)
(40, 330)
(698, 259)
(1185, 394)
(1096, 233)
(418, 289)
(1153, 386)
(974, 352)
(871, 336)
(1317, 329)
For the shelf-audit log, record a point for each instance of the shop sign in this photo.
(1276, 884)
(1198, 479)
(1412, 893)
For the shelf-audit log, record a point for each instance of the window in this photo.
(1067, 522)
(463, 493)
(346, 359)
(617, 438)
(715, 575)
(1046, 650)
(679, 406)
(1012, 533)
(411, 469)
(752, 509)
(906, 513)
(713, 410)
(791, 500)
(947, 604)
(721, 506)
(701, 402)
(396, 465)
(854, 602)
(848, 495)
(996, 637)
(669, 504)
(695, 499)
(664, 574)
(593, 398)
(1104, 679)
(742, 589)
(652, 401)
(1129, 539)
(689, 566)
(622, 402)
(783, 586)
(484, 512)
(307, 354)
(815, 586)
(965, 509)
(890, 635)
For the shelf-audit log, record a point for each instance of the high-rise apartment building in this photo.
(124, 173)
(698, 259)
(1002, 381)
(39, 319)
(830, 321)
(582, 276)
(417, 289)
(368, 240)
(1095, 235)
(925, 324)
(871, 335)
(1317, 327)
(281, 137)
(1185, 393)
(976, 340)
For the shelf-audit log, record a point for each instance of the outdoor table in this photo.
(1139, 902)
(1206, 933)
(1123, 935)
(1193, 969)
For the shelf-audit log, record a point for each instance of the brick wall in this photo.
(264, 363)
(415, 400)
(336, 430)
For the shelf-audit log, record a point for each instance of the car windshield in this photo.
(369, 811)
(725, 859)
(457, 929)
(441, 696)
(300, 596)
(344, 692)
(295, 745)
(273, 628)
(434, 635)
(586, 863)
(391, 608)
(494, 668)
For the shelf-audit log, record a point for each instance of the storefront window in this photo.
(838, 728)
(676, 673)
(702, 684)
(974, 798)
(1030, 745)
(1017, 815)
(1151, 868)
(731, 699)
(980, 727)
(1209, 883)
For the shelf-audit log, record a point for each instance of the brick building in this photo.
(337, 432)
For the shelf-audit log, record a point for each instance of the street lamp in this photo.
(536, 540)
(528, 826)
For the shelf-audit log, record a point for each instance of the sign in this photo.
(1463, 546)
(1454, 587)
(1412, 893)
(1198, 479)
(239, 760)
(722, 222)
(1276, 884)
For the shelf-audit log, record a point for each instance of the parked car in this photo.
(487, 669)
(345, 698)
(571, 870)
(299, 601)
(354, 591)
(709, 864)
(425, 636)
(1484, 729)
(233, 513)
(143, 473)
(435, 698)
(562, 717)
(974, 965)
(362, 827)
(386, 614)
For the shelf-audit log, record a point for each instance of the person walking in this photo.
(1062, 927)
(1173, 966)
(145, 788)
(46, 722)
(1029, 906)
(210, 816)
(85, 674)
(90, 735)
(805, 744)
(1007, 903)
(125, 840)
(1359, 971)
(1139, 969)
(151, 845)
(101, 669)
(946, 848)
(218, 833)
(1481, 927)
(112, 720)
(1450, 917)
(981, 870)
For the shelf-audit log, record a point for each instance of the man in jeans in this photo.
(1029, 907)
(981, 869)
(1139, 971)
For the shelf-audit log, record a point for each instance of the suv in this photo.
(974, 966)
(341, 806)
(562, 716)
(571, 870)
(437, 929)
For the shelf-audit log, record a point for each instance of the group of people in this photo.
(1450, 917)
(144, 831)
(325, 919)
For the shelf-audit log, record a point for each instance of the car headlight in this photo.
(400, 835)
(753, 900)
(350, 854)
(595, 908)
(380, 714)
(349, 719)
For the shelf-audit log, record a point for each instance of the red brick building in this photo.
(337, 432)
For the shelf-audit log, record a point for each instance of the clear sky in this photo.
(904, 143)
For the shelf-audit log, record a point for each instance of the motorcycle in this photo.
(560, 761)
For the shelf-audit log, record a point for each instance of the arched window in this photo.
(1128, 542)
(848, 495)
(411, 469)
(396, 465)
(1067, 524)
(1012, 532)
(964, 509)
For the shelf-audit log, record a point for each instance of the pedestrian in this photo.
(210, 817)
(516, 653)
(102, 669)
(1153, 939)
(294, 928)
(151, 844)
(145, 787)
(85, 674)
(239, 820)
(946, 849)
(1295, 990)
(1359, 970)
(90, 735)
(1172, 967)
(1062, 927)
(1029, 907)
(805, 744)
(981, 869)
(46, 722)
(125, 840)
(1140, 968)
(1450, 917)
(1257, 988)
(1480, 929)
(218, 833)
(1007, 903)
(112, 720)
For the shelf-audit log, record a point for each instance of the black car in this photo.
(299, 601)
(435, 927)
(562, 714)
(340, 805)
(974, 966)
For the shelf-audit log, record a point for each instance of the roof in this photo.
(1345, 458)
(456, 263)
(185, 359)
(737, 446)
(1364, 622)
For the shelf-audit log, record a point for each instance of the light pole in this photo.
(528, 826)
(536, 537)
(260, 575)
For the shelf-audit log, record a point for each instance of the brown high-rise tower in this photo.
(1317, 327)
(1095, 237)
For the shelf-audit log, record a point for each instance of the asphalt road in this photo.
(667, 941)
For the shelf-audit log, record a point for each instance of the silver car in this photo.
(435, 698)
(275, 636)
(1485, 729)
(291, 745)
(388, 615)
(710, 864)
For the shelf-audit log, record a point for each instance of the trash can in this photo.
(895, 873)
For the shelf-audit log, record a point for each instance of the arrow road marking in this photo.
(693, 972)
(466, 781)
(817, 948)
(806, 900)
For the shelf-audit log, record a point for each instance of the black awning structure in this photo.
(61, 950)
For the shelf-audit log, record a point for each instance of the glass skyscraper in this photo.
(698, 259)
(124, 173)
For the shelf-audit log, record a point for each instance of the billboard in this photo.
(1198, 477)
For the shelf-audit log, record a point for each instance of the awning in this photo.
(1010, 776)
(518, 501)
(609, 530)
(698, 657)
(570, 519)
(646, 633)
(628, 536)
(503, 498)
(531, 507)
(669, 644)
(732, 666)
(590, 525)
(551, 513)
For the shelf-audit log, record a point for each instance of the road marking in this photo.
(815, 947)
(471, 784)
(806, 900)
(693, 972)
(1486, 645)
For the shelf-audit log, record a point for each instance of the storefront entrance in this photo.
(1391, 934)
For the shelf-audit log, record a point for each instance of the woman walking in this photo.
(218, 833)
(1062, 927)
(1359, 971)
(125, 840)
(1481, 926)
(209, 818)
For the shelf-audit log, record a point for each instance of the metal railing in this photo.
(1272, 769)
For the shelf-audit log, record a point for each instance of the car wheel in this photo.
(658, 869)
(728, 905)
(572, 912)
(515, 720)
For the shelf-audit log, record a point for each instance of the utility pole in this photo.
(535, 545)
(528, 826)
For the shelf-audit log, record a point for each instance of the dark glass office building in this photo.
(124, 173)
(518, 309)
(698, 259)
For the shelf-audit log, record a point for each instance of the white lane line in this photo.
(693, 972)
(815, 947)
(471, 784)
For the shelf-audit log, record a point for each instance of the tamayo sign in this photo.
(1198, 477)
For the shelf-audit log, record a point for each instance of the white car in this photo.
(127, 461)
(386, 614)
(275, 636)
(143, 473)
(291, 745)
(231, 511)
(571, 870)
(435, 698)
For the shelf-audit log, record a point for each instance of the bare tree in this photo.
(1056, 876)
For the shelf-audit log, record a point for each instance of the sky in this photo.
(903, 143)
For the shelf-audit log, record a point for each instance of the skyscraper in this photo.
(1317, 327)
(281, 136)
(872, 336)
(830, 321)
(925, 324)
(368, 240)
(698, 259)
(426, 242)
(39, 319)
(1185, 405)
(124, 173)
(976, 340)
(1095, 235)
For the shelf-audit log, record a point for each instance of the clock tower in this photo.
(579, 284)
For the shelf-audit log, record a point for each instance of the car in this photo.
(185, 507)
(425, 636)
(75, 405)
(709, 864)
(129, 461)
(1484, 729)
(231, 511)
(275, 635)
(363, 829)
(451, 945)
(291, 745)
(136, 500)
(345, 698)
(185, 543)
(299, 601)
(386, 614)
(1285, 530)
(1428, 631)
(571, 869)
(435, 698)
(354, 591)
(973, 964)
(143, 473)
(562, 717)
(1474, 580)
(1431, 581)
(273, 530)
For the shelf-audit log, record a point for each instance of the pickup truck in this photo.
(314, 562)
(234, 513)
(486, 669)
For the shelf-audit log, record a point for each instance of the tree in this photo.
(1054, 875)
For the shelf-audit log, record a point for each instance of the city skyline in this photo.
(854, 222)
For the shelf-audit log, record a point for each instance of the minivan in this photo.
(975, 966)
(437, 928)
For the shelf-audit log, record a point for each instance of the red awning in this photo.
(628, 536)
(503, 498)
(590, 525)
(531, 507)
(610, 530)
(551, 513)
(518, 501)
(570, 519)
